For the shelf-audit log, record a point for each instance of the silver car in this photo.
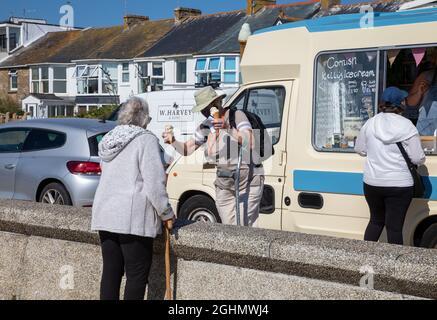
(51, 160)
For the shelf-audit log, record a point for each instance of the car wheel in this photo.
(55, 193)
(429, 239)
(199, 208)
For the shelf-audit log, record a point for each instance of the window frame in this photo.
(177, 64)
(140, 66)
(206, 71)
(103, 78)
(378, 51)
(246, 94)
(43, 149)
(59, 80)
(13, 73)
(39, 80)
(90, 72)
(235, 71)
(125, 72)
(15, 129)
(3, 42)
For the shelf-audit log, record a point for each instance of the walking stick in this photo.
(168, 293)
(237, 186)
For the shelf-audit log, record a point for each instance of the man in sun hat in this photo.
(223, 143)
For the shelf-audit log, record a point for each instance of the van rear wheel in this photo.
(199, 208)
(429, 239)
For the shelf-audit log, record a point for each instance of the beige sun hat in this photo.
(204, 97)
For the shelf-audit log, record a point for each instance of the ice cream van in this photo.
(315, 83)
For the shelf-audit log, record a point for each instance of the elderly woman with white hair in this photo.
(131, 202)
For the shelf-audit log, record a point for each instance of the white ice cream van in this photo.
(315, 83)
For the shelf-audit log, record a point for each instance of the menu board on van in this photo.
(345, 98)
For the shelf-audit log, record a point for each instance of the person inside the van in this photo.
(223, 143)
(388, 183)
(421, 103)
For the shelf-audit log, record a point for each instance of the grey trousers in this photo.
(251, 191)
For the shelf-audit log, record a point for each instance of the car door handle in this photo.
(10, 166)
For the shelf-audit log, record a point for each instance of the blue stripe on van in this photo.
(352, 21)
(344, 183)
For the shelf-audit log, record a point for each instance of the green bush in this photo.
(8, 105)
(101, 113)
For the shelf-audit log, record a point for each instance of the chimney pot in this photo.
(328, 4)
(182, 13)
(130, 20)
(253, 6)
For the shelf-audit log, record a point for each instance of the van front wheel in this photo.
(199, 208)
(429, 239)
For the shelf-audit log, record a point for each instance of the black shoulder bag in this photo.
(419, 188)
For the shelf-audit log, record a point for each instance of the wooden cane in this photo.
(168, 293)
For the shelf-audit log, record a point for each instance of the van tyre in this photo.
(55, 193)
(199, 208)
(429, 239)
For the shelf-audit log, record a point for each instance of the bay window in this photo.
(230, 70)
(150, 76)
(35, 80)
(45, 79)
(59, 80)
(110, 78)
(87, 79)
(216, 70)
(48, 79)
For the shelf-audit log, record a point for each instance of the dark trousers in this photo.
(388, 208)
(125, 253)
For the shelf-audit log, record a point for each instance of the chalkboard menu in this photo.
(345, 98)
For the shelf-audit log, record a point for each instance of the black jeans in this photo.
(388, 207)
(121, 253)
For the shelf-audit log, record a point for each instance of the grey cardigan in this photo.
(131, 197)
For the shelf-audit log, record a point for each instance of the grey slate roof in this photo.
(194, 33)
(227, 42)
(45, 96)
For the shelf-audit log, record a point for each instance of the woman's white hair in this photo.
(135, 111)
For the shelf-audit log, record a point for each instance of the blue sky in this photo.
(110, 12)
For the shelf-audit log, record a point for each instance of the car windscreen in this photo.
(94, 143)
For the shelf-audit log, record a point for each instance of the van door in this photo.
(270, 101)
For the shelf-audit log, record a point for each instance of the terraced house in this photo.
(66, 73)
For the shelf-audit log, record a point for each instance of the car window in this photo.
(94, 144)
(12, 140)
(40, 139)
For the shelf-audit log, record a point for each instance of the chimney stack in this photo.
(130, 20)
(328, 4)
(182, 13)
(253, 6)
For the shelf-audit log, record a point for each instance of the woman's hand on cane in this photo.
(168, 224)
